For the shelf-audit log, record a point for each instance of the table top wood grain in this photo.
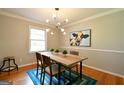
(67, 60)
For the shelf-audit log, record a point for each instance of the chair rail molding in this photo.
(93, 49)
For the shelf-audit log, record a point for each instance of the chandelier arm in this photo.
(57, 20)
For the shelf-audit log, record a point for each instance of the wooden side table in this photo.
(9, 67)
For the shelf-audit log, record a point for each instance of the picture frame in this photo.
(81, 38)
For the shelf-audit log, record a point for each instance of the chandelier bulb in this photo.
(47, 30)
(51, 33)
(62, 29)
(64, 33)
(47, 21)
(66, 20)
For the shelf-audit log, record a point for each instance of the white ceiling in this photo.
(41, 14)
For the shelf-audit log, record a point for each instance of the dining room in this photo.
(61, 46)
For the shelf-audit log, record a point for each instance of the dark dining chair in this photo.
(39, 62)
(40, 65)
(51, 69)
(75, 53)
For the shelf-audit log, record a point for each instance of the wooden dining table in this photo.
(67, 60)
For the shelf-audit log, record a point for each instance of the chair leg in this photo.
(2, 65)
(64, 77)
(37, 71)
(9, 65)
(41, 74)
(50, 80)
(15, 64)
(43, 77)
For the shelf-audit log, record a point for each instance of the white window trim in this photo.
(36, 27)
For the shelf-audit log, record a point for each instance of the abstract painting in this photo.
(81, 38)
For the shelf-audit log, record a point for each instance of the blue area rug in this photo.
(64, 81)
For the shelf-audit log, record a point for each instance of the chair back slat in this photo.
(39, 58)
(46, 60)
(74, 52)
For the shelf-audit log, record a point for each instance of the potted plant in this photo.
(52, 50)
(57, 50)
(65, 52)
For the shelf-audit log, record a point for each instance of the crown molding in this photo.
(95, 16)
(23, 18)
(71, 24)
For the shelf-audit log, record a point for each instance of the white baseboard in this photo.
(115, 74)
(27, 64)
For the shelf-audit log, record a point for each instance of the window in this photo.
(37, 39)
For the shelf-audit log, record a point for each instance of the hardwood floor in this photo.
(103, 78)
(21, 78)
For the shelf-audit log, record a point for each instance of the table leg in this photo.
(81, 69)
(59, 74)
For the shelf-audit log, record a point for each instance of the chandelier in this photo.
(57, 21)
